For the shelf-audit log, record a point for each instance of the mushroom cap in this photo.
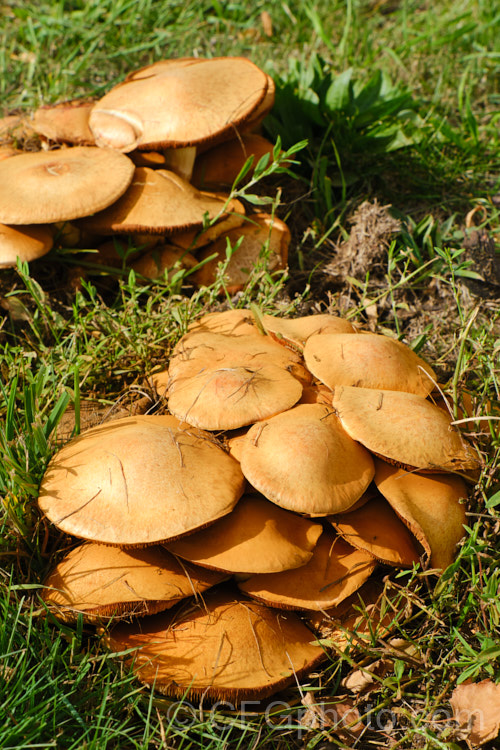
(261, 237)
(155, 262)
(256, 537)
(24, 242)
(221, 164)
(429, 505)
(333, 573)
(65, 122)
(376, 528)
(193, 239)
(109, 582)
(367, 360)
(227, 648)
(138, 481)
(230, 322)
(403, 427)
(299, 330)
(200, 350)
(304, 461)
(74, 182)
(225, 398)
(157, 201)
(178, 103)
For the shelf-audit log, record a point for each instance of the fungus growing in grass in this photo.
(298, 330)
(138, 481)
(157, 202)
(74, 182)
(261, 234)
(429, 506)
(226, 648)
(220, 166)
(256, 537)
(201, 350)
(376, 528)
(179, 103)
(403, 428)
(102, 582)
(367, 361)
(303, 460)
(24, 242)
(231, 396)
(155, 262)
(65, 122)
(333, 573)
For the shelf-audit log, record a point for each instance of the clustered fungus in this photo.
(227, 544)
(147, 161)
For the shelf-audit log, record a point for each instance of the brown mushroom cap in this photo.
(261, 238)
(104, 582)
(429, 505)
(304, 461)
(368, 361)
(221, 165)
(177, 103)
(256, 537)
(403, 427)
(74, 182)
(299, 330)
(138, 481)
(230, 322)
(155, 262)
(333, 573)
(200, 350)
(157, 201)
(193, 239)
(376, 528)
(226, 648)
(66, 122)
(228, 397)
(24, 242)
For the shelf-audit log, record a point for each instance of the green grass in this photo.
(439, 64)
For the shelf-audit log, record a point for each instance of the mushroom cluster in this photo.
(145, 165)
(298, 455)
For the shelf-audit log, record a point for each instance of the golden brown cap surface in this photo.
(138, 481)
(367, 360)
(24, 242)
(304, 461)
(225, 398)
(179, 103)
(403, 427)
(228, 648)
(74, 182)
(262, 238)
(298, 330)
(155, 262)
(256, 537)
(108, 582)
(66, 122)
(429, 505)
(157, 201)
(333, 573)
(376, 528)
(221, 165)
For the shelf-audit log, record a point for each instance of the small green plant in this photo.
(348, 122)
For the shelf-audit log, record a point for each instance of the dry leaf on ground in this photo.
(476, 708)
(342, 715)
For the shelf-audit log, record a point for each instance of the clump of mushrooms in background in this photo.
(229, 543)
(143, 170)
